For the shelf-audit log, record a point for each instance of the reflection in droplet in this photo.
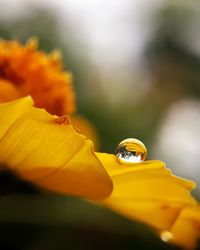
(166, 236)
(131, 151)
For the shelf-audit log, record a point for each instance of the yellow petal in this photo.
(186, 229)
(10, 113)
(85, 127)
(146, 191)
(47, 150)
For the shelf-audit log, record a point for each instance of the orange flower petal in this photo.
(8, 92)
(33, 72)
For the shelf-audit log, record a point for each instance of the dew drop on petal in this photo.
(131, 151)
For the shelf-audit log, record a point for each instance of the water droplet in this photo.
(166, 236)
(131, 151)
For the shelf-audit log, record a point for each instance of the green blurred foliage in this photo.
(173, 65)
(172, 68)
(55, 222)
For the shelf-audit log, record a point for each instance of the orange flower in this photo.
(26, 71)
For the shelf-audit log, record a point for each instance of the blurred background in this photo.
(136, 67)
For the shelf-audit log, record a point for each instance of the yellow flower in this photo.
(142, 190)
(186, 229)
(85, 127)
(47, 151)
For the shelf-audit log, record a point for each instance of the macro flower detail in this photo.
(39, 148)
(147, 191)
(47, 151)
(42, 141)
(186, 229)
(26, 71)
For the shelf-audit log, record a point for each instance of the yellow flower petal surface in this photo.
(47, 150)
(146, 191)
(85, 127)
(186, 229)
(11, 112)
